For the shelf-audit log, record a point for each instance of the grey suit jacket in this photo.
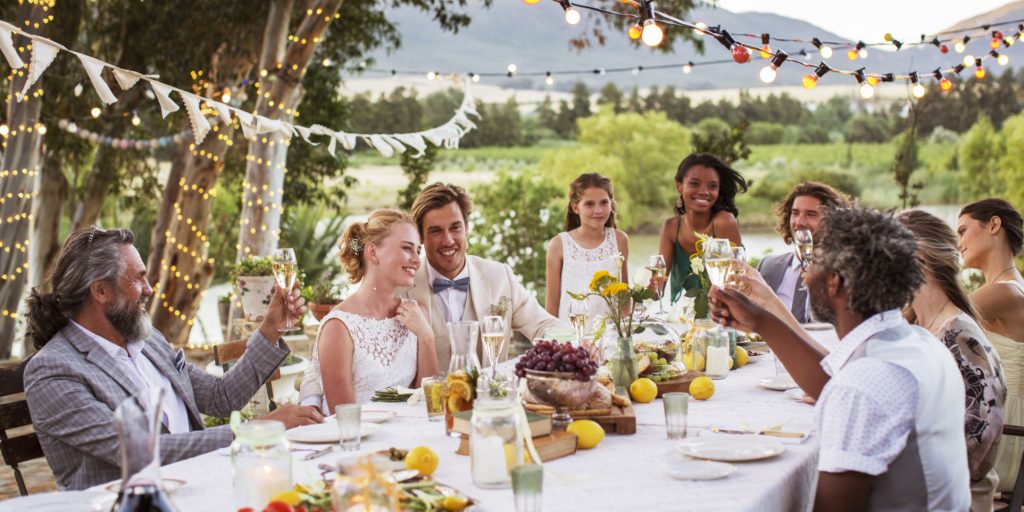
(773, 269)
(73, 387)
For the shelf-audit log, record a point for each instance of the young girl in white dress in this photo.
(587, 245)
(373, 340)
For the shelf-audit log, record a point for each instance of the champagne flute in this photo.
(493, 328)
(737, 263)
(804, 240)
(658, 271)
(579, 315)
(717, 260)
(285, 271)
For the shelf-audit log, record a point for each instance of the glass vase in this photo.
(137, 421)
(624, 364)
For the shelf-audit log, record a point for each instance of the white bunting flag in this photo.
(200, 125)
(222, 111)
(7, 46)
(378, 142)
(163, 96)
(43, 54)
(412, 140)
(248, 122)
(126, 79)
(94, 69)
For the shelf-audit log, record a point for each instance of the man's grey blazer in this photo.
(773, 270)
(73, 387)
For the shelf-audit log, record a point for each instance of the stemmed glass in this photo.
(804, 240)
(579, 316)
(286, 269)
(493, 329)
(717, 260)
(658, 275)
(736, 263)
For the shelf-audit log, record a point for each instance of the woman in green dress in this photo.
(707, 190)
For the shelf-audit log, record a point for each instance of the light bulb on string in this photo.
(327, 62)
(95, 112)
(852, 54)
(994, 43)
(635, 31)
(769, 72)
(531, 2)
(474, 77)
(916, 89)
(431, 75)
(944, 84)
(4, 130)
(862, 53)
(811, 80)
(888, 36)
(651, 33)
(41, 129)
(135, 119)
(740, 53)
(688, 67)
(572, 16)
(968, 60)
(866, 90)
(511, 70)
(635, 71)
(961, 45)
(1001, 58)
(766, 50)
(702, 28)
(872, 80)
(548, 79)
(979, 72)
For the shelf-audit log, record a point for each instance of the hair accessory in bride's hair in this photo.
(356, 245)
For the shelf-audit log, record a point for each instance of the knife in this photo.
(318, 453)
(773, 433)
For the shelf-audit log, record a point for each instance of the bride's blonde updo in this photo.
(360, 234)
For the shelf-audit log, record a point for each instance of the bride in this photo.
(372, 340)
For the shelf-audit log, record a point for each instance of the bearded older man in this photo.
(98, 348)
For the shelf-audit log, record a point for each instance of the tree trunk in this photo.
(97, 184)
(264, 170)
(20, 162)
(52, 190)
(158, 236)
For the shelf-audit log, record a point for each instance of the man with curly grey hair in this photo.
(890, 400)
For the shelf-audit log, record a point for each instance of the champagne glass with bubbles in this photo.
(658, 274)
(579, 315)
(737, 263)
(286, 269)
(804, 240)
(717, 260)
(493, 329)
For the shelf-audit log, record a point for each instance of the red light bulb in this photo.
(740, 54)
(944, 49)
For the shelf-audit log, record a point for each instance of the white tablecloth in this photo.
(622, 473)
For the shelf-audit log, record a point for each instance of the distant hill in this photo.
(535, 38)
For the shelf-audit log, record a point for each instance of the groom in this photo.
(454, 286)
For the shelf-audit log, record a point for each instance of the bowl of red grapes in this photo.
(559, 360)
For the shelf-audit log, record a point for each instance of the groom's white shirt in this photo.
(451, 303)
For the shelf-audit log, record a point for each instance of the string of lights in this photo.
(647, 26)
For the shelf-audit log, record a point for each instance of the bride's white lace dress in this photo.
(384, 355)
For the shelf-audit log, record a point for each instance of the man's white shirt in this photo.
(790, 280)
(451, 301)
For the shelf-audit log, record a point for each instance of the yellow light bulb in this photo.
(810, 81)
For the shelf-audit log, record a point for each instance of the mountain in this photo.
(536, 38)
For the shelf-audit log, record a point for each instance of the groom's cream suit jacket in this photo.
(489, 281)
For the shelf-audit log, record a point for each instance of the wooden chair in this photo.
(1017, 498)
(229, 352)
(23, 445)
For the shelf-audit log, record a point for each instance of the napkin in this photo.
(804, 434)
(416, 394)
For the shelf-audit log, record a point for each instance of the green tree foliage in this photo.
(416, 169)
(639, 152)
(1012, 163)
(729, 145)
(867, 128)
(515, 216)
(904, 164)
(611, 96)
(498, 125)
(761, 132)
(313, 231)
(978, 158)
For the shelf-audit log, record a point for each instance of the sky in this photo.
(871, 19)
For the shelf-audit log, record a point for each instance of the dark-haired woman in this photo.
(990, 233)
(707, 190)
(587, 245)
(942, 307)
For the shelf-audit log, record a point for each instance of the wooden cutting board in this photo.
(680, 384)
(622, 420)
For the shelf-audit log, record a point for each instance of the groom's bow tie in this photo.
(441, 284)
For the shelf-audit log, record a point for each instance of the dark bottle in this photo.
(142, 498)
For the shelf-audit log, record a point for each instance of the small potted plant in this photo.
(224, 309)
(254, 280)
(321, 297)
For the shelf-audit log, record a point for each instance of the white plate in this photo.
(689, 469)
(68, 501)
(729, 449)
(325, 432)
(377, 416)
(781, 382)
(817, 326)
(169, 485)
(796, 395)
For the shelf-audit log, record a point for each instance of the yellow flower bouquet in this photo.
(622, 300)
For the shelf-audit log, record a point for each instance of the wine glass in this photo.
(737, 263)
(285, 271)
(804, 240)
(717, 259)
(493, 329)
(579, 315)
(658, 275)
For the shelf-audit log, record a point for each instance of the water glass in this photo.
(349, 418)
(780, 369)
(528, 486)
(676, 406)
(433, 396)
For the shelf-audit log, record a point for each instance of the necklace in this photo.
(937, 315)
(1005, 270)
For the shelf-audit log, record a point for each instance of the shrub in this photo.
(765, 133)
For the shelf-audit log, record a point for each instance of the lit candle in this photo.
(717, 361)
(487, 457)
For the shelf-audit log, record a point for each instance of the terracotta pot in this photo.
(319, 311)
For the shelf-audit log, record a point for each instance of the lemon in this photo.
(688, 361)
(460, 395)
(742, 357)
(588, 432)
(454, 502)
(702, 388)
(643, 390)
(422, 459)
(292, 498)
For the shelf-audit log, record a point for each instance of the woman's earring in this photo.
(679, 202)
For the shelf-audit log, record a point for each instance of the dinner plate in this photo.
(781, 382)
(795, 394)
(725, 449)
(68, 501)
(376, 416)
(169, 485)
(689, 469)
(326, 432)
